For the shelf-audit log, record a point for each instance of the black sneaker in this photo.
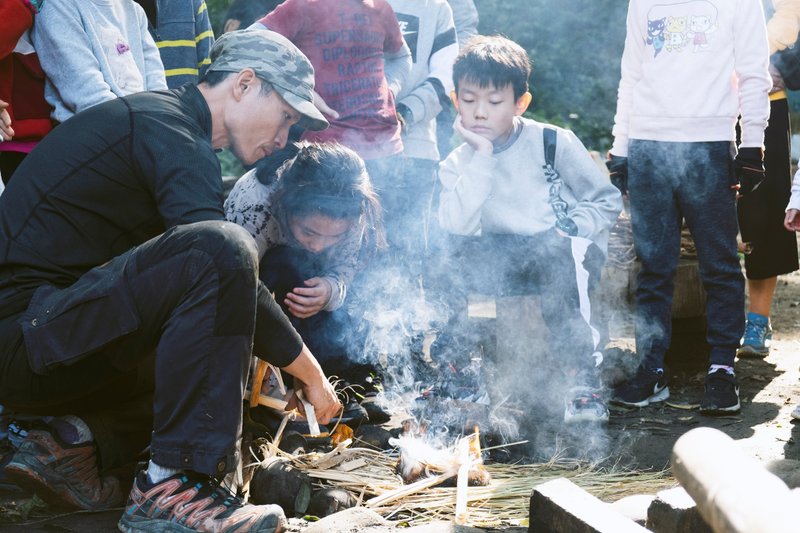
(184, 503)
(378, 414)
(644, 388)
(353, 414)
(585, 405)
(721, 395)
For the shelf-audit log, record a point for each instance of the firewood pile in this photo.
(621, 252)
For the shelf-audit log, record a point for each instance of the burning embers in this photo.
(420, 459)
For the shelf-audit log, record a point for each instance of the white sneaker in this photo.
(796, 413)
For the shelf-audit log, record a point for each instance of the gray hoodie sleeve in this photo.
(599, 203)
(397, 66)
(425, 100)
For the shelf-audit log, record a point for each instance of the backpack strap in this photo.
(549, 139)
(559, 206)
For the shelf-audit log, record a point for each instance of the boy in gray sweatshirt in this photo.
(537, 226)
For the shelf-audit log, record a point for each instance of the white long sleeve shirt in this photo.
(689, 69)
(508, 192)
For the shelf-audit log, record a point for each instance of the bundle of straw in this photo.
(504, 502)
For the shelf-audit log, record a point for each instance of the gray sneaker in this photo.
(185, 503)
(62, 474)
(585, 405)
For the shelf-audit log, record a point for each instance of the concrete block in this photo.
(353, 520)
(634, 507)
(561, 506)
(674, 511)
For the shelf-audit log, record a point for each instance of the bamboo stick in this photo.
(407, 490)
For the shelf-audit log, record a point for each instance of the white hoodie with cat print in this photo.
(689, 69)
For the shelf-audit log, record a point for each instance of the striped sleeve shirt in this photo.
(184, 38)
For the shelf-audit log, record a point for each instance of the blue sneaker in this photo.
(757, 337)
(644, 388)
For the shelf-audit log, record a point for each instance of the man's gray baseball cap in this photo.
(275, 59)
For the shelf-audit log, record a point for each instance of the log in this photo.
(734, 492)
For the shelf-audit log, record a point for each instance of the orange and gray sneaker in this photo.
(192, 502)
(62, 474)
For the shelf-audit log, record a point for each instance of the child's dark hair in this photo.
(328, 179)
(493, 60)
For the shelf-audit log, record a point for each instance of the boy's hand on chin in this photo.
(478, 143)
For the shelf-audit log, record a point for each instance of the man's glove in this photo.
(749, 164)
(618, 172)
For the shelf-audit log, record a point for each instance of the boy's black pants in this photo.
(563, 271)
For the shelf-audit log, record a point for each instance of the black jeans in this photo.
(329, 335)
(564, 271)
(153, 346)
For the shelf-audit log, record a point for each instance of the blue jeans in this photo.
(668, 182)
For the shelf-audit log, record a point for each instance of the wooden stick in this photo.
(333, 457)
(462, 482)
(288, 417)
(413, 488)
(311, 417)
(272, 403)
(258, 381)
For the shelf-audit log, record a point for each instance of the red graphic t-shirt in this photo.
(345, 41)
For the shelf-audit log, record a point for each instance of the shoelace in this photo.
(755, 332)
(216, 491)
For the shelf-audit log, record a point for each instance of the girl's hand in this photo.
(307, 301)
(478, 143)
(792, 220)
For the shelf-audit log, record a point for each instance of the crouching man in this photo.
(130, 307)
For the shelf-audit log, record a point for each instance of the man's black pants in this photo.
(152, 346)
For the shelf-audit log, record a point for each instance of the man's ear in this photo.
(244, 81)
(522, 103)
(454, 98)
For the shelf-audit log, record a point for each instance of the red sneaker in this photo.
(62, 474)
(185, 503)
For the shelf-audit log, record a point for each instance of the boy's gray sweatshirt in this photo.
(508, 193)
(428, 29)
(93, 51)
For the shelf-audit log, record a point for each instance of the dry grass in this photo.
(503, 502)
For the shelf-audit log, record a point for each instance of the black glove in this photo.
(749, 164)
(618, 172)
(404, 115)
(568, 226)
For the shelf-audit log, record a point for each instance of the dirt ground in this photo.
(641, 438)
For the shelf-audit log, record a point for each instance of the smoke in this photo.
(452, 360)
